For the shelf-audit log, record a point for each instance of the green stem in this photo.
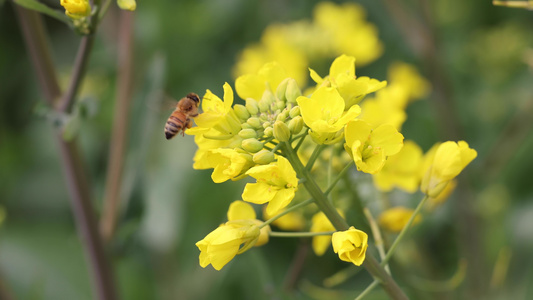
(314, 157)
(339, 177)
(378, 240)
(301, 141)
(370, 263)
(367, 290)
(299, 234)
(404, 230)
(314, 190)
(288, 210)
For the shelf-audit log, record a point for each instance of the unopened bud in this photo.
(241, 111)
(252, 106)
(246, 126)
(295, 111)
(293, 91)
(263, 157)
(264, 105)
(282, 89)
(269, 132)
(252, 145)
(267, 124)
(281, 131)
(255, 122)
(296, 125)
(248, 133)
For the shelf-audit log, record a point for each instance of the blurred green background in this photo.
(486, 58)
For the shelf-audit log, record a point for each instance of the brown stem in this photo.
(120, 126)
(35, 38)
(80, 65)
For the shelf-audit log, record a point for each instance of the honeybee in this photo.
(181, 118)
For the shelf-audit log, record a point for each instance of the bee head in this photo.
(194, 97)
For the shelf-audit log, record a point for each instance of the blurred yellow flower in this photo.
(76, 9)
(321, 223)
(292, 221)
(394, 219)
(239, 234)
(276, 184)
(350, 245)
(442, 164)
(349, 31)
(335, 29)
(401, 170)
(127, 4)
(407, 77)
(371, 147)
(253, 85)
(228, 164)
(377, 111)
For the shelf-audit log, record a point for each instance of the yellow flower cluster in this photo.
(255, 140)
(334, 30)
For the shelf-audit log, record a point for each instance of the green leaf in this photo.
(38, 6)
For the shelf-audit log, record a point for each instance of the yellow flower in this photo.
(76, 9)
(394, 219)
(218, 117)
(348, 30)
(407, 78)
(276, 184)
(239, 234)
(444, 163)
(379, 110)
(401, 170)
(350, 245)
(443, 196)
(324, 111)
(321, 223)
(254, 85)
(205, 145)
(292, 221)
(228, 164)
(370, 148)
(127, 4)
(342, 77)
(275, 45)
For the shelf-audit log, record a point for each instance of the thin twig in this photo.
(80, 65)
(120, 126)
(35, 38)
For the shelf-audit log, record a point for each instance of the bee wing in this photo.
(161, 102)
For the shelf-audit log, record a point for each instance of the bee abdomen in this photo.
(174, 126)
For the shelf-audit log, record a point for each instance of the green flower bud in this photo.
(255, 122)
(264, 105)
(263, 157)
(280, 104)
(293, 91)
(268, 96)
(296, 125)
(269, 132)
(246, 126)
(295, 111)
(282, 89)
(252, 145)
(252, 106)
(281, 131)
(267, 124)
(283, 116)
(248, 133)
(241, 111)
